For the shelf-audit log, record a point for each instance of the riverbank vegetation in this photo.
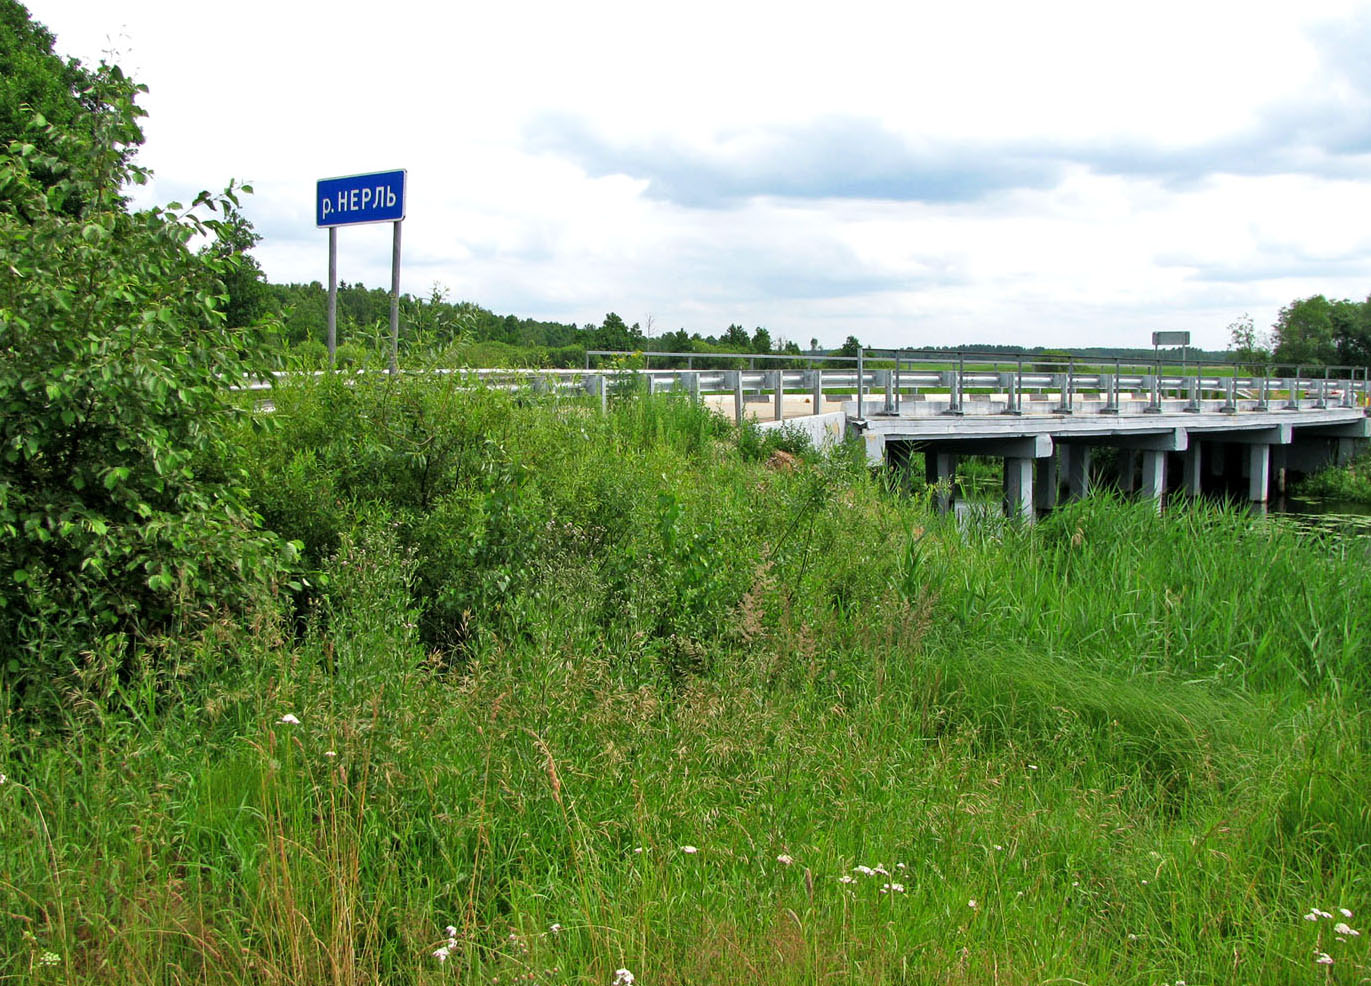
(605, 691)
(1349, 483)
(417, 681)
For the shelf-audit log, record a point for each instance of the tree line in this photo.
(1313, 331)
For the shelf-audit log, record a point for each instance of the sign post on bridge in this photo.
(1160, 339)
(1181, 339)
(378, 197)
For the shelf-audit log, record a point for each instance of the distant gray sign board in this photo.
(1170, 338)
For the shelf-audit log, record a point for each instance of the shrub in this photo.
(115, 364)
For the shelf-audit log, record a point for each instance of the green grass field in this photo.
(572, 694)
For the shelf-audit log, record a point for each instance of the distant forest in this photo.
(290, 319)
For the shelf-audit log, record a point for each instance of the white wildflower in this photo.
(622, 977)
(892, 888)
(864, 870)
(785, 859)
(689, 851)
(972, 903)
(1341, 928)
(289, 719)
(330, 753)
(441, 954)
(1323, 958)
(1341, 910)
(555, 928)
(1311, 916)
(847, 878)
(451, 931)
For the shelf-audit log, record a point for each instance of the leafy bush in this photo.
(757, 444)
(115, 363)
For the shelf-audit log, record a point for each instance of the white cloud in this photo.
(1105, 170)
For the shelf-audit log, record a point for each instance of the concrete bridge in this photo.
(1208, 445)
(1188, 428)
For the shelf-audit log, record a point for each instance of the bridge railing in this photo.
(885, 381)
(907, 382)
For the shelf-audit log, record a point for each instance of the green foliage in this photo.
(114, 364)
(1317, 331)
(550, 647)
(1303, 332)
(757, 444)
(1250, 348)
(59, 91)
(1350, 483)
(246, 297)
(850, 347)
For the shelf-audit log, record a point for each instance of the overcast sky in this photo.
(1063, 174)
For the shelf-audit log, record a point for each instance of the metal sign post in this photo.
(378, 197)
(1159, 339)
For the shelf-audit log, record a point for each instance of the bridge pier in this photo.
(1191, 471)
(1045, 483)
(1077, 470)
(1153, 483)
(1018, 488)
(940, 473)
(1258, 472)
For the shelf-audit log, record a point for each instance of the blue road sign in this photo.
(374, 198)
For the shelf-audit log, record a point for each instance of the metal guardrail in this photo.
(979, 383)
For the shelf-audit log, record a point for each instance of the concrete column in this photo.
(1078, 472)
(818, 396)
(1128, 468)
(889, 391)
(778, 384)
(1346, 451)
(1018, 488)
(1153, 475)
(737, 396)
(1259, 472)
(1190, 475)
(1045, 482)
(939, 471)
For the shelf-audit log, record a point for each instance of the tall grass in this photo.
(547, 651)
